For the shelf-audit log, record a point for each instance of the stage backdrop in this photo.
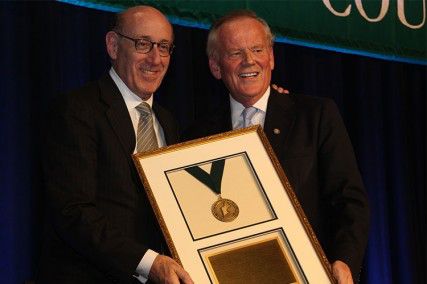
(50, 47)
(391, 29)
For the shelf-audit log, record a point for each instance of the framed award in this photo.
(228, 212)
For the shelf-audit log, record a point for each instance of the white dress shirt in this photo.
(132, 101)
(258, 118)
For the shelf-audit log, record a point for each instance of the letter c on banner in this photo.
(383, 11)
(339, 14)
(402, 18)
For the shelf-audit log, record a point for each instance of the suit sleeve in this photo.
(70, 171)
(343, 191)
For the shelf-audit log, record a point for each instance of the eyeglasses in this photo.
(143, 45)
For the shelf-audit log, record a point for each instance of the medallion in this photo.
(225, 210)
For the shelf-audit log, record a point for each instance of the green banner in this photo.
(389, 29)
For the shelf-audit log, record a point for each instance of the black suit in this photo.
(315, 151)
(101, 223)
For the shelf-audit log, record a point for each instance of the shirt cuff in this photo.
(144, 265)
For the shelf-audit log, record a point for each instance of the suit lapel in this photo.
(168, 125)
(118, 114)
(221, 120)
(279, 120)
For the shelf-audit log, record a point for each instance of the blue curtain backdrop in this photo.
(49, 47)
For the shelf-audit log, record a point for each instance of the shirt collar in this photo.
(130, 98)
(237, 108)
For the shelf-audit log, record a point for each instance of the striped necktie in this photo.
(248, 113)
(145, 137)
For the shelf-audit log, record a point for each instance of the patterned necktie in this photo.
(145, 137)
(248, 113)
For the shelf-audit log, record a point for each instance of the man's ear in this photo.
(214, 67)
(111, 41)
(271, 59)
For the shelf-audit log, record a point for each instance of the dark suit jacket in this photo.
(315, 151)
(100, 220)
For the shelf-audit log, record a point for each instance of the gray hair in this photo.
(211, 47)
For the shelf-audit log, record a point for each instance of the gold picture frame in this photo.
(228, 212)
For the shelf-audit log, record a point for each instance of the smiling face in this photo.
(142, 73)
(243, 59)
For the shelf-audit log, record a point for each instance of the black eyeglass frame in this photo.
(136, 40)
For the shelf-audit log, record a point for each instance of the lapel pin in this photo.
(276, 131)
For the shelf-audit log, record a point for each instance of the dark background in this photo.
(49, 47)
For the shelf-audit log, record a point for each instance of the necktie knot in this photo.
(248, 113)
(144, 109)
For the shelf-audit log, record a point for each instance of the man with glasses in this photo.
(102, 228)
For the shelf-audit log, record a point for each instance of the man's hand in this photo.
(341, 272)
(280, 89)
(168, 271)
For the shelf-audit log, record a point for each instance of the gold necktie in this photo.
(145, 137)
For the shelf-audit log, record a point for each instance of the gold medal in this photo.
(225, 210)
